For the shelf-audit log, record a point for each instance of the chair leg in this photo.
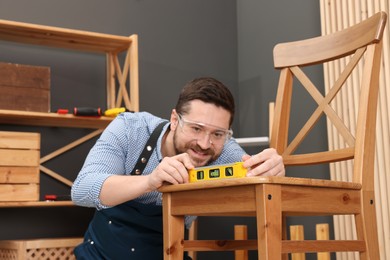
(284, 234)
(322, 233)
(297, 233)
(269, 221)
(366, 227)
(240, 233)
(193, 235)
(173, 231)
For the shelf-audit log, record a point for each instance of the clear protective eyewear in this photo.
(198, 131)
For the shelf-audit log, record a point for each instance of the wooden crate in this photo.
(24, 87)
(56, 248)
(19, 166)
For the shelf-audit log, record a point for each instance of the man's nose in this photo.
(205, 141)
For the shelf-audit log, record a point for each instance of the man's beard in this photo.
(193, 146)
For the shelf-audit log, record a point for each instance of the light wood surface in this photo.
(20, 140)
(62, 37)
(240, 233)
(297, 233)
(322, 233)
(19, 162)
(17, 204)
(14, 117)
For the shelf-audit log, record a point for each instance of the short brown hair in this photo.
(208, 90)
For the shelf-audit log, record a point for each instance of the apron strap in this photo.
(148, 149)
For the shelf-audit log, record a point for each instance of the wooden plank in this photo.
(55, 175)
(70, 146)
(24, 87)
(269, 221)
(134, 74)
(241, 233)
(173, 231)
(52, 119)
(13, 157)
(19, 192)
(62, 38)
(309, 52)
(193, 235)
(53, 242)
(297, 233)
(219, 245)
(24, 99)
(20, 140)
(328, 201)
(17, 204)
(20, 75)
(322, 233)
(208, 201)
(19, 174)
(323, 246)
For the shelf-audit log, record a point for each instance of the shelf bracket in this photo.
(61, 151)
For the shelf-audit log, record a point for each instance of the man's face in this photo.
(201, 133)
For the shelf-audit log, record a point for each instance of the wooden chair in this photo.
(271, 199)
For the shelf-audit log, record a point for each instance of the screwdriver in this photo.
(87, 111)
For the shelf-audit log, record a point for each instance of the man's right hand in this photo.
(172, 170)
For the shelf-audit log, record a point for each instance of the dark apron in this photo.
(128, 231)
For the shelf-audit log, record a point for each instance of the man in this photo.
(128, 220)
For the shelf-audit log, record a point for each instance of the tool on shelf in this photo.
(87, 111)
(112, 112)
(55, 197)
(95, 112)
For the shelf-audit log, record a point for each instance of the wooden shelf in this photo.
(36, 204)
(14, 117)
(62, 38)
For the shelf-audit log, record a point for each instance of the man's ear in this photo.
(174, 120)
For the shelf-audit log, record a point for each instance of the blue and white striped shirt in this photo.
(117, 151)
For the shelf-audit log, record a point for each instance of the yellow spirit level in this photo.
(233, 170)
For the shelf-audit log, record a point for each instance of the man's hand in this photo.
(172, 170)
(266, 163)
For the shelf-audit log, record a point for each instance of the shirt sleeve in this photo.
(106, 158)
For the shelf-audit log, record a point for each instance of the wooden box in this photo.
(58, 249)
(24, 87)
(19, 166)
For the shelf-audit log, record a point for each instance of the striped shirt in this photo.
(117, 151)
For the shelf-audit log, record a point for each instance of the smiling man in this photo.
(138, 153)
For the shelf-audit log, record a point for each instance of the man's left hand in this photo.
(266, 163)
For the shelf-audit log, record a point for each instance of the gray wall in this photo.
(261, 25)
(178, 40)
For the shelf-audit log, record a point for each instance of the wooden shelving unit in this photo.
(121, 85)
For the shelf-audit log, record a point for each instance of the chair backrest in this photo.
(362, 46)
